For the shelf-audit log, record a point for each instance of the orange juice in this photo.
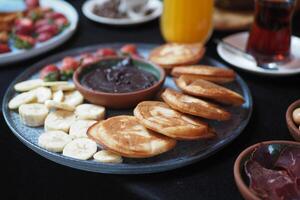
(187, 21)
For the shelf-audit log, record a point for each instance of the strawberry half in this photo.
(106, 52)
(4, 48)
(50, 73)
(130, 50)
(50, 28)
(69, 65)
(23, 41)
(23, 26)
(30, 4)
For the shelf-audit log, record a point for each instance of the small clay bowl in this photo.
(120, 100)
(240, 176)
(293, 128)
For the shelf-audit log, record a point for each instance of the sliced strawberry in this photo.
(30, 4)
(4, 48)
(50, 73)
(106, 52)
(70, 62)
(51, 28)
(42, 22)
(24, 26)
(129, 49)
(54, 15)
(61, 22)
(42, 37)
(88, 58)
(23, 41)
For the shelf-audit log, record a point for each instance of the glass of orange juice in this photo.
(187, 21)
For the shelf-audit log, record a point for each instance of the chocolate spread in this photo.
(120, 78)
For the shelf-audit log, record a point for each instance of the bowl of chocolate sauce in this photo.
(119, 82)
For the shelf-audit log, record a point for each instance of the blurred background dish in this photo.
(113, 13)
(233, 15)
(15, 54)
(239, 40)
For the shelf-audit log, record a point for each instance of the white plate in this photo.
(88, 6)
(61, 6)
(240, 40)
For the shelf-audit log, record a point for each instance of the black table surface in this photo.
(31, 176)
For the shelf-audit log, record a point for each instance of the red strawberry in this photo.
(24, 26)
(51, 28)
(70, 61)
(53, 15)
(69, 65)
(4, 48)
(61, 22)
(106, 52)
(50, 73)
(41, 22)
(129, 49)
(88, 58)
(23, 41)
(32, 4)
(42, 37)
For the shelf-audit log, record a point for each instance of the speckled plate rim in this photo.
(123, 168)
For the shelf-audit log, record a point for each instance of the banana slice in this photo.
(34, 114)
(73, 98)
(58, 96)
(79, 128)
(59, 105)
(59, 120)
(20, 99)
(42, 94)
(54, 141)
(63, 87)
(28, 85)
(90, 111)
(55, 83)
(107, 157)
(81, 148)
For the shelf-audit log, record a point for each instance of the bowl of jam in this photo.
(119, 82)
(269, 170)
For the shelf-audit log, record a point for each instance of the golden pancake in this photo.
(173, 54)
(124, 135)
(209, 73)
(194, 106)
(206, 89)
(159, 117)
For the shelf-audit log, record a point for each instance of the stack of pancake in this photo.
(156, 125)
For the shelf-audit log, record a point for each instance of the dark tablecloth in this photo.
(26, 175)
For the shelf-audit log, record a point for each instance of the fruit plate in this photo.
(58, 5)
(183, 154)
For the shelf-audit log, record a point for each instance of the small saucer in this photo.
(88, 6)
(239, 40)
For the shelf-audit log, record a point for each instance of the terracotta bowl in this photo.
(120, 100)
(293, 128)
(240, 177)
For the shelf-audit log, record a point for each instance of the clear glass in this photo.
(270, 36)
(187, 21)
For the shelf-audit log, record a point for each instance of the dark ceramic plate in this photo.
(184, 153)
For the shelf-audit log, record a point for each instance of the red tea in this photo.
(270, 37)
